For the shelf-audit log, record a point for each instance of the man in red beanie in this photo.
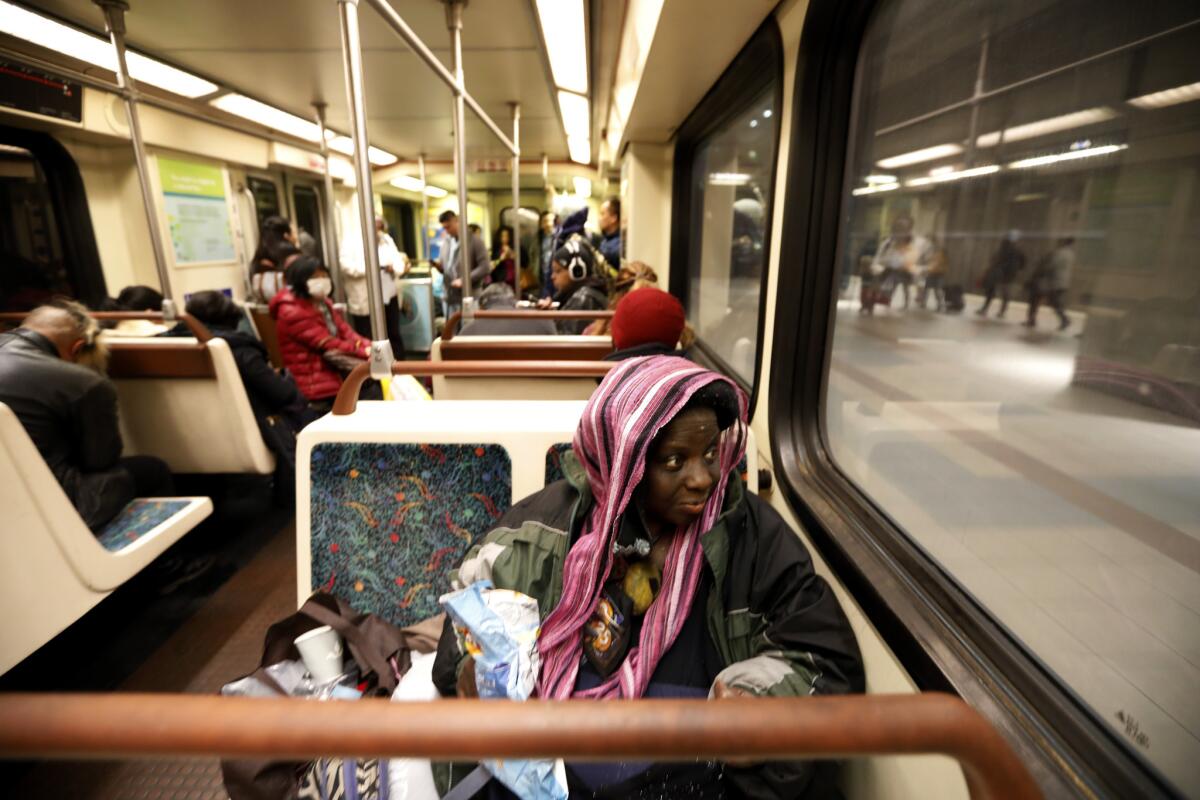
(647, 322)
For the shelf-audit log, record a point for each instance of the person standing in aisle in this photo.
(610, 227)
(546, 241)
(452, 267)
(392, 264)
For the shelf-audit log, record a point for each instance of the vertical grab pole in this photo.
(424, 209)
(381, 347)
(516, 198)
(332, 250)
(114, 23)
(454, 9)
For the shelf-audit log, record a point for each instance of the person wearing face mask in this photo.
(315, 341)
(70, 412)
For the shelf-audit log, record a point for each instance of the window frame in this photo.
(944, 639)
(756, 68)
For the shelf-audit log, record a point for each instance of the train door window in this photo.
(725, 170)
(266, 198)
(307, 202)
(401, 221)
(1015, 367)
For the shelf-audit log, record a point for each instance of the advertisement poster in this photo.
(194, 196)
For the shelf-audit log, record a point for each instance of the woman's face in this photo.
(682, 469)
(504, 237)
(559, 276)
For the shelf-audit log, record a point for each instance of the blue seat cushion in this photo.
(391, 521)
(136, 519)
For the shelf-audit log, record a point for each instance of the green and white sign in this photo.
(194, 196)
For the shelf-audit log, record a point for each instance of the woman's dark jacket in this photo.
(589, 294)
(775, 623)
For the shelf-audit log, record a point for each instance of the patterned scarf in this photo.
(637, 399)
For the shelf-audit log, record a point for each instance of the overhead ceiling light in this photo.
(435, 191)
(878, 187)
(97, 51)
(1076, 119)
(1168, 97)
(1070, 155)
(408, 183)
(917, 156)
(576, 114)
(729, 178)
(278, 119)
(954, 175)
(946, 170)
(767, 114)
(345, 146)
(580, 149)
(881, 179)
(566, 42)
(583, 186)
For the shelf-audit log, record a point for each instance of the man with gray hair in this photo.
(70, 413)
(499, 297)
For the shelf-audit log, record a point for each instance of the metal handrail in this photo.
(452, 322)
(347, 396)
(197, 328)
(157, 725)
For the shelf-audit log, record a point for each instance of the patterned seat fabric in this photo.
(136, 519)
(390, 521)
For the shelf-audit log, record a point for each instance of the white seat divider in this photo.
(196, 424)
(490, 387)
(53, 569)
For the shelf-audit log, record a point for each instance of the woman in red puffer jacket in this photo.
(308, 325)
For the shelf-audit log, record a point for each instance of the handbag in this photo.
(342, 361)
(381, 651)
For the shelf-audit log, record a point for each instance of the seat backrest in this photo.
(264, 323)
(388, 503)
(517, 348)
(184, 402)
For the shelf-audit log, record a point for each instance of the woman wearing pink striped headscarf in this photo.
(657, 575)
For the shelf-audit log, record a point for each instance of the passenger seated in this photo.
(576, 285)
(138, 298)
(648, 322)
(316, 344)
(276, 252)
(70, 413)
(279, 409)
(675, 581)
(499, 296)
(633, 275)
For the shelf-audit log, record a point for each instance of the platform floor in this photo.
(1072, 515)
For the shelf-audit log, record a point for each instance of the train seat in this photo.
(51, 565)
(183, 400)
(388, 503)
(517, 348)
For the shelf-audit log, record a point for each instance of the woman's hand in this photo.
(544, 302)
(722, 692)
(466, 681)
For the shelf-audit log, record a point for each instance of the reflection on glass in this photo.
(1015, 373)
(731, 184)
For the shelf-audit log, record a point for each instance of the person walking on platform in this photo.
(452, 266)
(70, 413)
(1007, 263)
(897, 261)
(1051, 281)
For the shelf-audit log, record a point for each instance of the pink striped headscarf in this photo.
(636, 400)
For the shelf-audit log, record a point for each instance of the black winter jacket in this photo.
(70, 413)
(590, 294)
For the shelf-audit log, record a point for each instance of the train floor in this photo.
(191, 622)
(1071, 513)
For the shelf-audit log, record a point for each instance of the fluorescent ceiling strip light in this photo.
(1029, 130)
(1070, 155)
(728, 178)
(878, 187)
(942, 177)
(881, 179)
(269, 116)
(576, 114)
(917, 156)
(435, 191)
(408, 183)
(1168, 97)
(580, 149)
(97, 51)
(345, 146)
(566, 42)
(583, 186)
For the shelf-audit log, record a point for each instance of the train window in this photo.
(1015, 367)
(266, 198)
(307, 203)
(725, 171)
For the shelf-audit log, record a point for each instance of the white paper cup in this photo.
(321, 651)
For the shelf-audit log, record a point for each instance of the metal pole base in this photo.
(169, 311)
(381, 360)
